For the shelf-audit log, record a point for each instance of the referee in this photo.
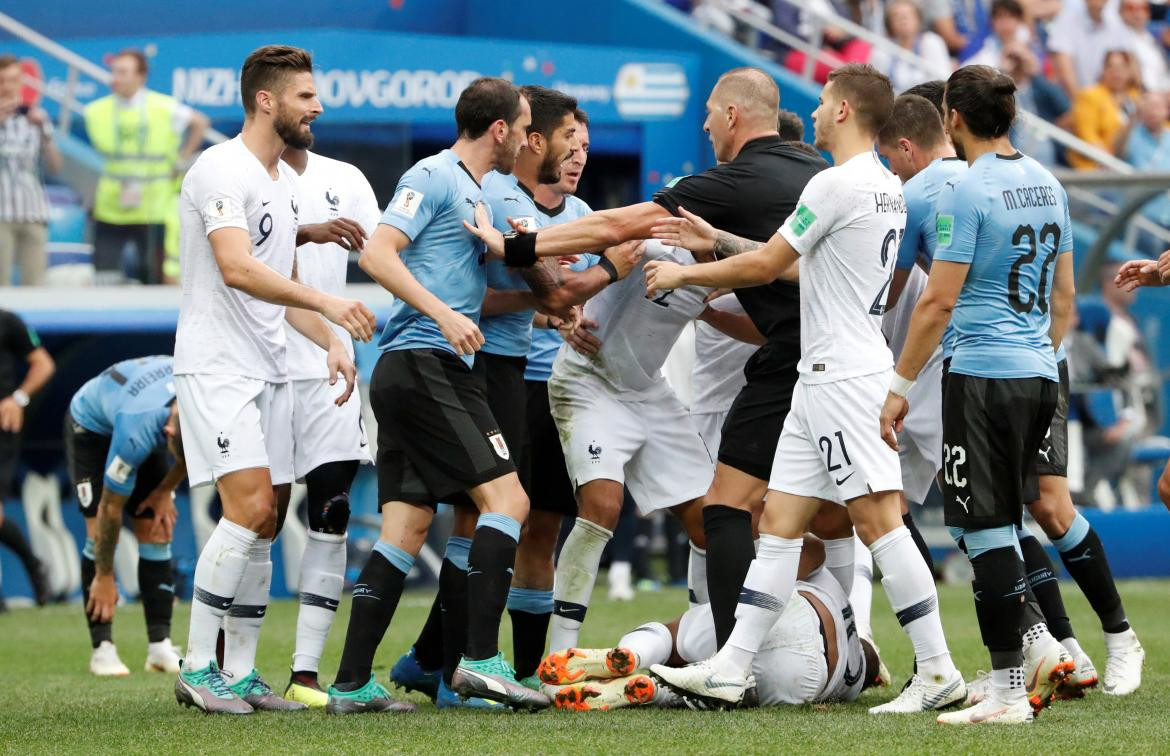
(751, 192)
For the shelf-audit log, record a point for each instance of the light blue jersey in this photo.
(509, 333)
(1007, 218)
(431, 202)
(129, 402)
(546, 342)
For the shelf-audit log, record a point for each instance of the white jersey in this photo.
(328, 189)
(719, 361)
(846, 229)
(636, 332)
(896, 322)
(223, 331)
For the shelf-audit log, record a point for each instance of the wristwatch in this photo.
(20, 398)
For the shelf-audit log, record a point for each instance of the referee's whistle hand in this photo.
(893, 413)
(461, 333)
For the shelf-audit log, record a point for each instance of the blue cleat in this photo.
(408, 675)
(449, 699)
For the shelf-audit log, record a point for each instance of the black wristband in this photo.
(607, 265)
(519, 249)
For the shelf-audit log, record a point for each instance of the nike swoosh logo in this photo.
(166, 587)
(977, 718)
(570, 613)
(1035, 677)
(264, 204)
(847, 477)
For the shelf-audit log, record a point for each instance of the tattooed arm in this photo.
(103, 593)
(708, 243)
(557, 288)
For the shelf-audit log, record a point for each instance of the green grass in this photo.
(48, 702)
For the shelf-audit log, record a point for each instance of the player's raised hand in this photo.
(348, 233)
(339, 362)
(625, 256)
(352, 315)
(687, 230)
(485, 231)
(1135, 273)
(893, 413)
(662, 275)
(460, 332)
(577, 334)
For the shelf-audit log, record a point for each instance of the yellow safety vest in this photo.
(139, 148)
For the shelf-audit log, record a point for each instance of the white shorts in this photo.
(831, 446)
(710, 427)
(232, 423)
(646, 441)
(920, 442)
(324, 432)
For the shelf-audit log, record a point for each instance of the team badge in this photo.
(499, 445)
(528, 223)
(119, 470)
(85, 493)
(595, 451)
(407, 202)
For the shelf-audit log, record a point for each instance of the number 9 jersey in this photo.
(1007, 217)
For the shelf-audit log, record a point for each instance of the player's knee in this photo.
(330, 517)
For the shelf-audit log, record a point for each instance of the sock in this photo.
(768, 584)
(453, 604)
(428, 647)
(1115, 642)
(241, 626)
(576, 573)
(839, 555)
(1036, 633)
(217, 578)
(1031, 614)
(697, 576)
(13, 537)
(651, 643)
(375, 597)
(321, 582)
(530, 610)
(1010, 683)
(729, 554)
(1073, 647)
(999, 587)
(910, 589)
(489, 575)
(1042, 580)
(156, 587)
(1084, 558)
(861, 597)
(98, 631)
(919, 541)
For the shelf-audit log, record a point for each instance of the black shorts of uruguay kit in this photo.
(542, 464)
(85, 456)
(437, 436)
(1052, 459)
(752, 427)
(992, 429)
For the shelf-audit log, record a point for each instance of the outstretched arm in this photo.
(754, 268)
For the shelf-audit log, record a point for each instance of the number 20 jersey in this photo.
(846, 228)
(1007, 217)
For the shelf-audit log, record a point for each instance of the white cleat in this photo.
(920, 695)
(991, 710)
(104, 661)
(1082, 678)
(1123, 666)
(162, 657)
(978, 689)
(702, 683)
(1047, 664)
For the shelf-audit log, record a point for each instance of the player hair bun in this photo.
(1003, 85)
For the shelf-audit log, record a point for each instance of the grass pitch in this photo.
(49, 702)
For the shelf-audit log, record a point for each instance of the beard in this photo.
(960, 151)
(550, 170)
(505, 158)
(289, 130)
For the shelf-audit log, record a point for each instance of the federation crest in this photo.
(500, 446)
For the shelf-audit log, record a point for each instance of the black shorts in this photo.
(437, 436)
(992, 429)
(543, 470)
(1052, 459)
(9, 455)
(506, 395)
(85, 455)
(756, 417)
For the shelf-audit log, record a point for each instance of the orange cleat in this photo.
(603, 695)
(574, 664)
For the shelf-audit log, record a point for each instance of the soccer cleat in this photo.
(701, 683)
(532, 682)
(371, 697)
(205, 689)
(408, 675)
(978, 689)
(1046, 665)
(920, 695)
(1082, 678)
(495, 680)
(104, 661)
(449, 699)
(310, 695)
(260, 697)
(1123, 666)
(162, 657)
(882, 677)
(991, 710)
(603, 695)
(573, 664)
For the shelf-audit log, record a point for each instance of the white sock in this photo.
(217, 578)
(1009, 684)
(1072, 646)
(322, 577)
(576, 574)
(913, 597)
(1035, 633)
(861, 597)
(621, 574)
(651, 643)
(768, 584)
(839, 561)
(1118, 641)
(241, 626)
(697, 576)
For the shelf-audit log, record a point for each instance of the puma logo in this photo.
(963, 503)
(1045, 452)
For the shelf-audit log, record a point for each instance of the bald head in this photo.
(752, 91)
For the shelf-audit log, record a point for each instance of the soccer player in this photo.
(329, 442)
(437, 436)
(1001, 267)
(238, 217)
(845, 233)
(118, 430)
(750, 192)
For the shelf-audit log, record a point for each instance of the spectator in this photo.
(1037, 95)
(138, 133)
(950, 20)
(1101, 112)
(1148, 51)
(904, 27)
(1075, 39)
(1146, 146)
(1009, 25)
(26, 140)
